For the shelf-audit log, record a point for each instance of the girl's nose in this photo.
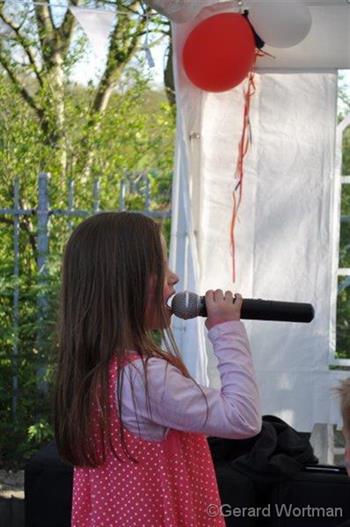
(175, 278)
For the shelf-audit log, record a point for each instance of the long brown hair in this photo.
(107, 265)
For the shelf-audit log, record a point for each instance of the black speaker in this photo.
(48, 484)
(319, 496)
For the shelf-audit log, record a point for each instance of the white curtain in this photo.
(283, 237)
(189, 334)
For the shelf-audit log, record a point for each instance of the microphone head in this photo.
(186, 305)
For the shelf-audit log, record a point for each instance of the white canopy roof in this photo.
(326, 47)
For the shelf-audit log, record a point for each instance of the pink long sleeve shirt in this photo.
(177, 403)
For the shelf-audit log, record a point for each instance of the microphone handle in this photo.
(257, 309)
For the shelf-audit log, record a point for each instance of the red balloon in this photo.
(219, 53)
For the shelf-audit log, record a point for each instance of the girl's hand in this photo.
(222, 308)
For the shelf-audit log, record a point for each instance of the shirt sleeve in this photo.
(176, 401)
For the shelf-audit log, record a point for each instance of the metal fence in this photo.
(130, 183)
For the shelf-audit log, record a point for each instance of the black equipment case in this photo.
(318, 496)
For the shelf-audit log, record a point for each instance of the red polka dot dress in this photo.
(173, 484)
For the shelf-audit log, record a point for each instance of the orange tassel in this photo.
(243, 148)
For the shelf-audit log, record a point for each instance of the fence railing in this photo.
(136, 184)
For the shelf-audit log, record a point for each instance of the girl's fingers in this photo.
(238, 298)
(219, 295)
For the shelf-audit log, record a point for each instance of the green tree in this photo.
(115, 128)
(39, 47)
(343, 304)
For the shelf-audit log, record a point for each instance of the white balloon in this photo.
(281, 26)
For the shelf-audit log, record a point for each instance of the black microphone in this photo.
(189, 305)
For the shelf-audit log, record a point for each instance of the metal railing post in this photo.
(16, 228)
(42, 301)
(96, 195)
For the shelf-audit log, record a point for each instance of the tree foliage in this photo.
(38, 54)
(343, 304)
(112, 129)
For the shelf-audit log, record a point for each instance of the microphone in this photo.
(190, 305)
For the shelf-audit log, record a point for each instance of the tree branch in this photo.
(51, 16)
(43, 17)
(45, 29)
(24, 43)
(116, 58)
(25, 224)
(6, 220)
(123, 44)
(65, 31)
(19, 86)
(168, 77)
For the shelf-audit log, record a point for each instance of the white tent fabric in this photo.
(189, 334)
(284, 246)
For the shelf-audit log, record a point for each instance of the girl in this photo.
(128, 415)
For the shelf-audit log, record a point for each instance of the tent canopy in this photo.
(327, 46)
(288, 225)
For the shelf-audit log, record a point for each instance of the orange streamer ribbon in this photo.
(243, 147)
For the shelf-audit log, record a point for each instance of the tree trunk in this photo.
(55, 111)
(169, 77)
